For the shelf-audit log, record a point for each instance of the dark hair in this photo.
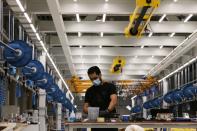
(94, 69)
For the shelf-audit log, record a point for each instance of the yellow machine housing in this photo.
(146, 84)
(118, 64)
(141, 17)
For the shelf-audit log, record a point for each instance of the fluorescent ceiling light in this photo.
(161, 47)
(43, 46)
(172, 34)
(150, 34)
(106, 0)
(38, 36)
(75, 0)
(162, 18)
(142, 46)
(33, 28)
(175, 0)
(134, 97)
(100, 46)
(128, 108)
(104, 17)
(80, 46)
(188, 18)
(180, 68)
(78, 18)
(27, 17)
(20, 5)
(79, 34)
(102, 34)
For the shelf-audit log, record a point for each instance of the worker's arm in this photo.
(85, 107)
(87, 101)
(113, 102)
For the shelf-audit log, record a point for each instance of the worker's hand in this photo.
(104, 113)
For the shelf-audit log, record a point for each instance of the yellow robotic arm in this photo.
(141, 16)
(117, 65)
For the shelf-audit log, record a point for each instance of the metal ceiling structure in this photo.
(83, 33)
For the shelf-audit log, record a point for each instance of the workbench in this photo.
(168, 125)
(18, 127)
(7, 126)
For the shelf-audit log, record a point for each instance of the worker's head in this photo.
(94, 74)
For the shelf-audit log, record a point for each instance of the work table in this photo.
(17, 127)
(146, 124)
(7, 126)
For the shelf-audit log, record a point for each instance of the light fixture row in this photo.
(82, 59)
(80, 34)
(150, 34)
(79, 19)
(100, 46)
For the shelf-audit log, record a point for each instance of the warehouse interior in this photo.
(146, 48)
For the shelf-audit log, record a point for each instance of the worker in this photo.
(102, 94)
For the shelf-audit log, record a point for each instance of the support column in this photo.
(42, 100)
(165, 90)
(67, 111)
(144, 98)
(59, 110)
(59, 116)
(42, 110)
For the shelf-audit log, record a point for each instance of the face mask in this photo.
(97, 82)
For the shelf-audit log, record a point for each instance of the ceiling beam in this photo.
(119, 51)
(123, 7)
(109, 61)
(107, 66)
(59, 26)
(127, 72)
(107, 70)
(115, 51)
(118, 41)
(117, 26)
(114, 77)
(131, 67)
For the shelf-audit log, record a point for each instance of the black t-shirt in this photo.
(99, 96)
